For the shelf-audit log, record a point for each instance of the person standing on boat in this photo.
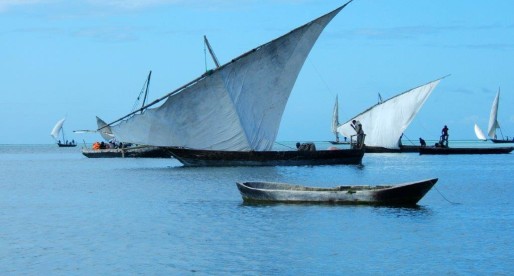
(360, 133)
(444, 136)
(422, 142)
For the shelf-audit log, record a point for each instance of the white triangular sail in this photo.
(237, 106)
(104, 129)
(479, 133)
(493, 117)
(335, 119)
(385, 122)
(57, 129)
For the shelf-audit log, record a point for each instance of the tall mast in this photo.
(146, 90)
(211, 52)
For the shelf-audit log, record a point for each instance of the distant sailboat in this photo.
(479, 133)
(335, 123)
(385, 122)
(58, 129)
(494, 124)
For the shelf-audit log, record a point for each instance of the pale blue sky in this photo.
(82, 59)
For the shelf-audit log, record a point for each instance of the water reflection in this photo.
(403, 211)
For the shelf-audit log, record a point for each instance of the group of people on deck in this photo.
(357, 126)
(112, 144)
(67, 142)
(443, 139)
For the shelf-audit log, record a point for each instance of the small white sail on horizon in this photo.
(479, 133)
(237, 106)
(57, 129)
(385, 122)
(335, 119)
(493, 117)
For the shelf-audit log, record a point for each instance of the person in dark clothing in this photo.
(422, 142)
(357, 126)
(444, 137)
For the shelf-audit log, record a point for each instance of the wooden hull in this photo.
(403, 194)
(498, 141)
(135, 152)
(434, 150)
(388, 150)
(191, 157)
(66, 145)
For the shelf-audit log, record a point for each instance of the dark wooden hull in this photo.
(192, 157)
(66, 145)
(492, 150)
(136, 152)
(388, 150)
(269, 192)
(498, 141)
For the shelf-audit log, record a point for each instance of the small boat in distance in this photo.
(447, 150)
(494, 124)
(335, 124)
(407, 194)
(58, 128)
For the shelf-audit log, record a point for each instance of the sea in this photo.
(64, 214)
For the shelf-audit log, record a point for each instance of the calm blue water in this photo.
(62, 213)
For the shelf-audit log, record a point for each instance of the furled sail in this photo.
(335, 119)
(57, 129)
(493, 119)
(237, 106)
(479, 133)
(385, 122)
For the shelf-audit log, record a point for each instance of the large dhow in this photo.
(231, 115)
(385, 122)
(270, 192)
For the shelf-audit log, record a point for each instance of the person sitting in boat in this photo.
(96, 146)
(444, 137)
(73, 142)
(357, 126)
(305, 146)
(422, 142)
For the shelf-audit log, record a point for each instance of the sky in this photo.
(86, 58)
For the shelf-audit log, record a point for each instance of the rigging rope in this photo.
(444, 196)
(136, 103)
(284, 145)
